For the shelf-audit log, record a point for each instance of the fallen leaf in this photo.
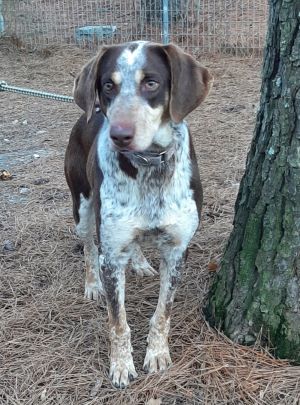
(153, 401)
(212, 266)
(96, 387)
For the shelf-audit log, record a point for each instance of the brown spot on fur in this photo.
(127, 167)
(190, 82)
(81, 140)
(110, 285)
(195, 182)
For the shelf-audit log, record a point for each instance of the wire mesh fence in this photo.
(230, 26)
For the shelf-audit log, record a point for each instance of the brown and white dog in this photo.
(133, 175)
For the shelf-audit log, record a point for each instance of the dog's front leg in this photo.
(157, 355)
(122, 369)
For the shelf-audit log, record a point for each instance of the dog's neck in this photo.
(151, 158)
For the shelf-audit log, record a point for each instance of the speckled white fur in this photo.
(134, 206)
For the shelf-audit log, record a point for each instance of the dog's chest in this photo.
(152, 208)
(150, 195)
(159, 198)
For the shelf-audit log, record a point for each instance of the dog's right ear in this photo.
(84, 90)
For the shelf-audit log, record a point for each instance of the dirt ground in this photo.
(53, 343)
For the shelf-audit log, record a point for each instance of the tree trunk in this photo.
(257, 291)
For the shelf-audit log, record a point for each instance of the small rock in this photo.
(24, 190)
(36, 156)
(15, 122)
(43, 394)
(234, 108)
(5, 175)
(154, 401)
(9, 246)
(25, 122)
(6, 140)
(40, 181)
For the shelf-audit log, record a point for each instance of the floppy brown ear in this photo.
(84, 90)
(190, 83)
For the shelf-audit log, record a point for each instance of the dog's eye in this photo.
(151, 85)
(108, 86)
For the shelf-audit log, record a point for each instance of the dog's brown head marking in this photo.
(190, 83)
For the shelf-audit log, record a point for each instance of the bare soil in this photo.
(53, 343)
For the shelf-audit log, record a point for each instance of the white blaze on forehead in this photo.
(129, 63)
(130, 57)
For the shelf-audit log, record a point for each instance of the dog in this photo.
(132, 171)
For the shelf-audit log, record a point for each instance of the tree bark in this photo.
(256, 294)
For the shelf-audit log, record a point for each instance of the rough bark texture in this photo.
(258, 286)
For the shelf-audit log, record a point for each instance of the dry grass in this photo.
(53, 343)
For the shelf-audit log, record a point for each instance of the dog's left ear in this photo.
(190, 82)
(84, 91)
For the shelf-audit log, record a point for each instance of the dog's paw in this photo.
(156, 361)
(93, 291)
(93, 287)
(140, 265)
(143, 269)
(122, 372)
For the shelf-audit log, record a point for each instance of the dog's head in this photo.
(140, 87)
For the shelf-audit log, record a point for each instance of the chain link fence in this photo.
(227, 26)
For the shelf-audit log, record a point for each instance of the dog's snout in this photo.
(122, 135)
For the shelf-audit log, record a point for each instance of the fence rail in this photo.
(229, 26)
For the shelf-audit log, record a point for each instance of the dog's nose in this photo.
(122, 135)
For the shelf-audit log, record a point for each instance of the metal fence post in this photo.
(1, 19)
(165, 22)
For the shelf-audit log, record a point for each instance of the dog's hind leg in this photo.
(139, 263)
(85, 229)
(76, 157)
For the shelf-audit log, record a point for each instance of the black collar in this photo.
(150, 158)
